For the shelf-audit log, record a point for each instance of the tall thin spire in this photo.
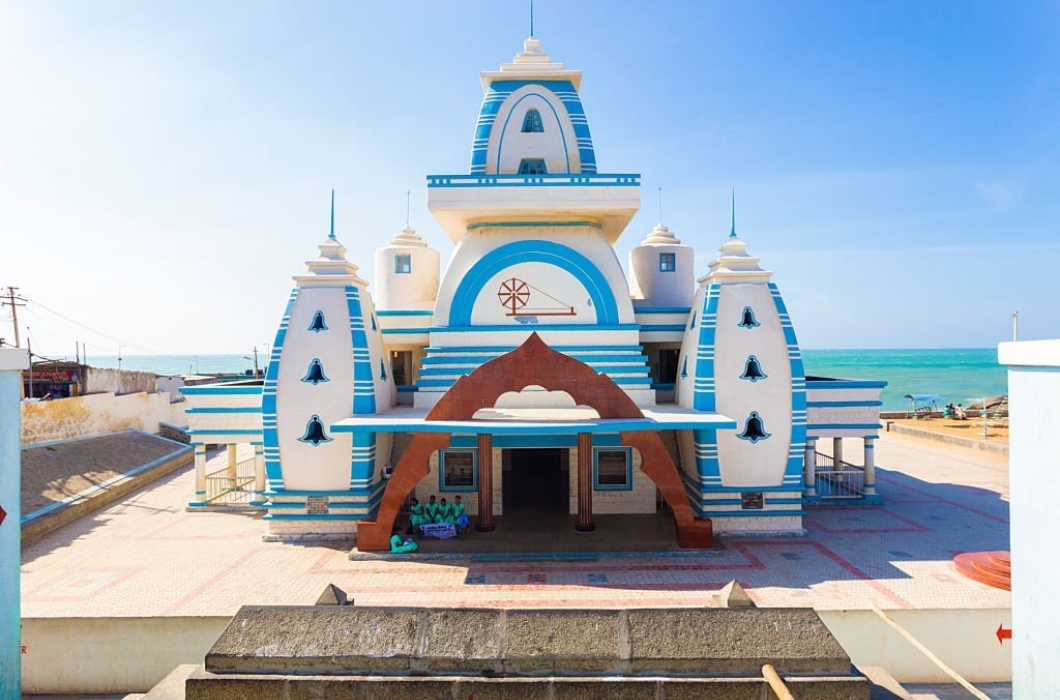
(332, 234)
(732, 233)
(408, 206)
(660, 207)
(531, 17)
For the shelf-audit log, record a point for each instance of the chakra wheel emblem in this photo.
(513, 295)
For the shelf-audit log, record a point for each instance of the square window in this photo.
(667, 262)
(402, 264)
(457, 470)
(612, 469)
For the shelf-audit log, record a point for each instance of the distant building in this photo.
(531, 374)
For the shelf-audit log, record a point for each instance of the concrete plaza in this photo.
(149, 564)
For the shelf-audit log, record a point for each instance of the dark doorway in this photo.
(536, 480)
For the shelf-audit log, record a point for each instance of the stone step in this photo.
(699, 643)
(206, 686)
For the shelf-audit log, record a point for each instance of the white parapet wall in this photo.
(97, 414)
(84, 655)
(1034, 443)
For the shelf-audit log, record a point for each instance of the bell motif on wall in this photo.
(318, 324)
(754, 429)
(314, 432)
(752, 370)
(747, 319)
(315, 375)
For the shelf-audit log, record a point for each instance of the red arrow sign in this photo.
(3, 514)
(1003, 634)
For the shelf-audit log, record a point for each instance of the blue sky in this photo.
(165, 167)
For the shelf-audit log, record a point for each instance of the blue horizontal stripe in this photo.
(841, 404)
(220, 389)
(225, 409)
(813, 384)
(662, 309)
(403, 312)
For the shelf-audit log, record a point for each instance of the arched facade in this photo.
(535, 363)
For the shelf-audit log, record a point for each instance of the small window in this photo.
(532, 122)
(402, 264)
(667, 262)
(457, 470)
(532, 166)
(612, 469)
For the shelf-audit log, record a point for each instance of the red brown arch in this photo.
(534, 363)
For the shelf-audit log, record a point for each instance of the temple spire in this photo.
(732, 233)
(332, 234)
(531, 17)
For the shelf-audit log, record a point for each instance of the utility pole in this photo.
(255, 362)
(12, 301)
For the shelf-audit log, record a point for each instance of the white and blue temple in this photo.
(535, 374)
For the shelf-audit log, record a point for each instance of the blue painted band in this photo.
(817, 384)
(220, 389)
(662, 310)
(225, 409)
(532, 224)
(842, 404)
(403, 312)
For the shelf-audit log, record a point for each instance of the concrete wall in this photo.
(96, 414)
(131, 654)
(86, 655)
(101, 380)
(1034, 400)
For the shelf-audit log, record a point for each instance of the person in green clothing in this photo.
(401, 546)
(459, 516)
(431, 510)
(417, 515)
(445, 513)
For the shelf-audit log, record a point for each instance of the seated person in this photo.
(417, 515)
(959, 413)
(948, 411)
(445, 513)
(431, 510)
(401, 546)
(459, 516)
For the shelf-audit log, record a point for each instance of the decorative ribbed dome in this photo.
(660, 235)
(408, 237)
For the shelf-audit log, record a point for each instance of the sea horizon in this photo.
(956, 375)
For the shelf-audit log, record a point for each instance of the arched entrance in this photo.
(534, 363)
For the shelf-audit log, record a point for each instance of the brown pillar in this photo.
(585, 483)
(485, 483)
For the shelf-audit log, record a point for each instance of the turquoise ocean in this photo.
(958, 376)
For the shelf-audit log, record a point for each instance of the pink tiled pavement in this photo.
(147, 556)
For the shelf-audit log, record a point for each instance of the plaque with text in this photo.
(316, 505)
(751, 500)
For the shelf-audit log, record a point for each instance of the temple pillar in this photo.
(837, 453)
(485, 484)
(200, 475)
(585, 483)
(259, 468)
(870, 466)
(810, 467)
(233, 459)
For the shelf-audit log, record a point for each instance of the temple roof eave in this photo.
(412, 421)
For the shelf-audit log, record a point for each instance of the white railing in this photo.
(227, 486)
(838, 480)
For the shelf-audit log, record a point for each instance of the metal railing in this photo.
(231, 487)
(838, 479)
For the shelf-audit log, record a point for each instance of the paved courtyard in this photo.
(147, 556)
